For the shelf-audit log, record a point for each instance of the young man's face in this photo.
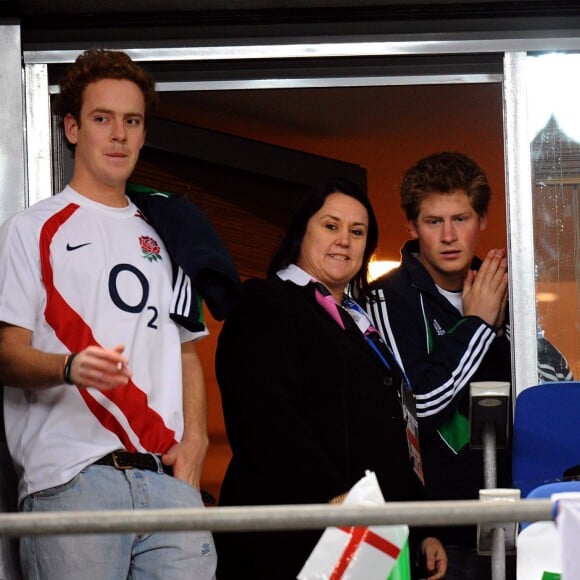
(447, 229)
(108, 135)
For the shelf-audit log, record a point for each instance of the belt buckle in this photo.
(116, 463)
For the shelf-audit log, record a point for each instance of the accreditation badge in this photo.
(412, 429)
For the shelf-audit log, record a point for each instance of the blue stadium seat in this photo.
(546, 434)
(545, 445)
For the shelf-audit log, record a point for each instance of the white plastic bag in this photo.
(360, 553)
(568, 521)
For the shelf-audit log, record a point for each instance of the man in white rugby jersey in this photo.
(105, 404)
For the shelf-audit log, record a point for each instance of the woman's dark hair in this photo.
(289, 250)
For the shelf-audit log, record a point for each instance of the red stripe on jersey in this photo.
(76, 335)
(107, 419)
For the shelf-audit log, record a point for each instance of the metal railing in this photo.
(280, 517)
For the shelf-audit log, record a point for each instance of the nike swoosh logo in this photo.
(70, 248)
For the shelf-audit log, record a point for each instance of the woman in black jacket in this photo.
(311, 395)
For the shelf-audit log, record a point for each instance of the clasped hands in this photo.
(485, 292)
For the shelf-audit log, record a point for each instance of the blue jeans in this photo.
(157, 555)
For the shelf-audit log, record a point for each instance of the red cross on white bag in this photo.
(358, 536)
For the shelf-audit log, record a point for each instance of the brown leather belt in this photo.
(128, 460)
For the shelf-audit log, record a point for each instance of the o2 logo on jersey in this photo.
(150, 248)
(121, 303)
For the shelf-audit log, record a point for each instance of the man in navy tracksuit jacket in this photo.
(443, 311)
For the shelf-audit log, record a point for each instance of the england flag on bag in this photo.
(361, 553)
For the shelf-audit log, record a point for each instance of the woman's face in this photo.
(334, 243)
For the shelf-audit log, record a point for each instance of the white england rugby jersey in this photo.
(76, 273)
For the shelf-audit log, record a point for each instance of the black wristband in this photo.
(68, 367)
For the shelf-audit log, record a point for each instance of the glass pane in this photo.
(554, 121)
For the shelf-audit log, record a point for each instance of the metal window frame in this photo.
(520, 222)
(12, 149)
(514, 49)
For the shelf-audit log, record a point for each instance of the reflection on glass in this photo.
(554, 129)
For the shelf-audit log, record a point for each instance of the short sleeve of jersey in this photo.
(20, 279)
(187, 336)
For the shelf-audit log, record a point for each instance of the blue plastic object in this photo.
(546, 437)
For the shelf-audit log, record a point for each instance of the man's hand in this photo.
(485, 292)
(101, 368)
(500, 320)
(187, 460)
(434, 558)
(188, 456)
(23, 366)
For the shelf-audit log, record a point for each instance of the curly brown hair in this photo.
(96, 64)
(444, 173)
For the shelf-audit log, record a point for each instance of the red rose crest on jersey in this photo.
(150, 248)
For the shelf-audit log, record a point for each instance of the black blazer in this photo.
(308, 408)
